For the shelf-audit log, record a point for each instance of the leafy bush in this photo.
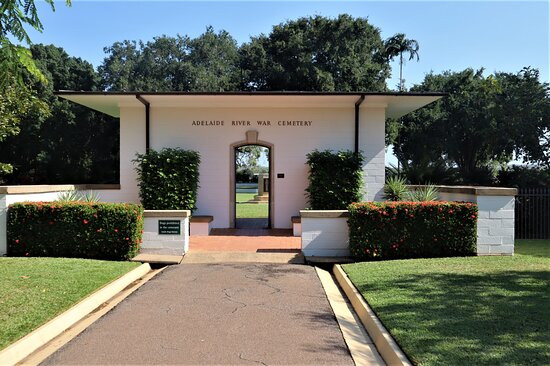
(396, 189)
(74, 229)
(391, 230)
(335, 179)
(168, 179)
(425, 193)
(524, 177)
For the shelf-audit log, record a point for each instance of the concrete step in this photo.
(243, 257)
(159, 256)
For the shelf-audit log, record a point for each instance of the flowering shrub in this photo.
(74, 229)
(391, 230)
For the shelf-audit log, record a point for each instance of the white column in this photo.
(495, 225)
(132, 141)
(372, 145)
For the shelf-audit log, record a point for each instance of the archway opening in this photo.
(252, 186)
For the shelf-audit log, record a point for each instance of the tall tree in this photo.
(15, 15)
(479, 125)
(72, 144)
(15, 59)
(316, 53)
(397, 46)
(206, 63)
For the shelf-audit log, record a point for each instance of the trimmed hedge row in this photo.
(75, 229)
(392, 230)
(335, 179)
(168, 179)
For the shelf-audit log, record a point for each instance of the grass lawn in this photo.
(252, 210)
(243, 197)
(533, 247)
(464, 311)
(35, 290)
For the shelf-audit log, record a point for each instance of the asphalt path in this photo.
(245, 313)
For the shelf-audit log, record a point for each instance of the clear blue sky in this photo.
(497, 35)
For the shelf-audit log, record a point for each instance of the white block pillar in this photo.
(372, 121)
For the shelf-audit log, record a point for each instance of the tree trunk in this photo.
(401, 87)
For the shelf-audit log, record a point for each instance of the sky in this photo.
(495, 35)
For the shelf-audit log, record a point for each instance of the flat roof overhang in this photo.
(396, 104)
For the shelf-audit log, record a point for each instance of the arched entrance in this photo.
(251, 140)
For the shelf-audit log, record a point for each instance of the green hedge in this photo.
(335, 179)
(168, 179)
(391, 230)
(75, 229)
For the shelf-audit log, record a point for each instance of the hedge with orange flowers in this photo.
(74, 229)
(394, 230)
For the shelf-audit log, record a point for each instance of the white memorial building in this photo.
(290, 124)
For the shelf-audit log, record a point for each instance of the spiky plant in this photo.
(396, 189)
(90, 197)
(428, 192)
(68, 196)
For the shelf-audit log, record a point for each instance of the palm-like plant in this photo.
(397, 46)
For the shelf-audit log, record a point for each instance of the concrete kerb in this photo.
(386, 345)
(360, 345)
(21, 349)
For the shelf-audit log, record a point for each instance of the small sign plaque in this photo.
(169, 227)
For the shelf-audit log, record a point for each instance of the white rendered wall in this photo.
(332, 128)
(200, 228)
(132, 141)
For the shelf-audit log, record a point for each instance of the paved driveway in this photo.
(216, 314)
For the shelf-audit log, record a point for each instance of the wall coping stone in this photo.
(167, 213)
(323, 213)
(44, 188)
(474, 190)
(202, 218)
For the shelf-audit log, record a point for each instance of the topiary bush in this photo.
(335, 179)
(392, 230)
(168, 179)
(74, 229)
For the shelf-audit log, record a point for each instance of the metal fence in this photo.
(533, 213)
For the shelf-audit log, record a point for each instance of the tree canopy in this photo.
(206, 63)
(313, 53)
(480, 125)
(16, 61)
(318, 54)
(70, 144)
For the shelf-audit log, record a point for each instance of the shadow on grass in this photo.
(449, 318)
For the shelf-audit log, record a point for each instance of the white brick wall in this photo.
(495, 224)
(328, 236)
(372, 145)
(325, 237)
(495, 227)
(152, 239)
